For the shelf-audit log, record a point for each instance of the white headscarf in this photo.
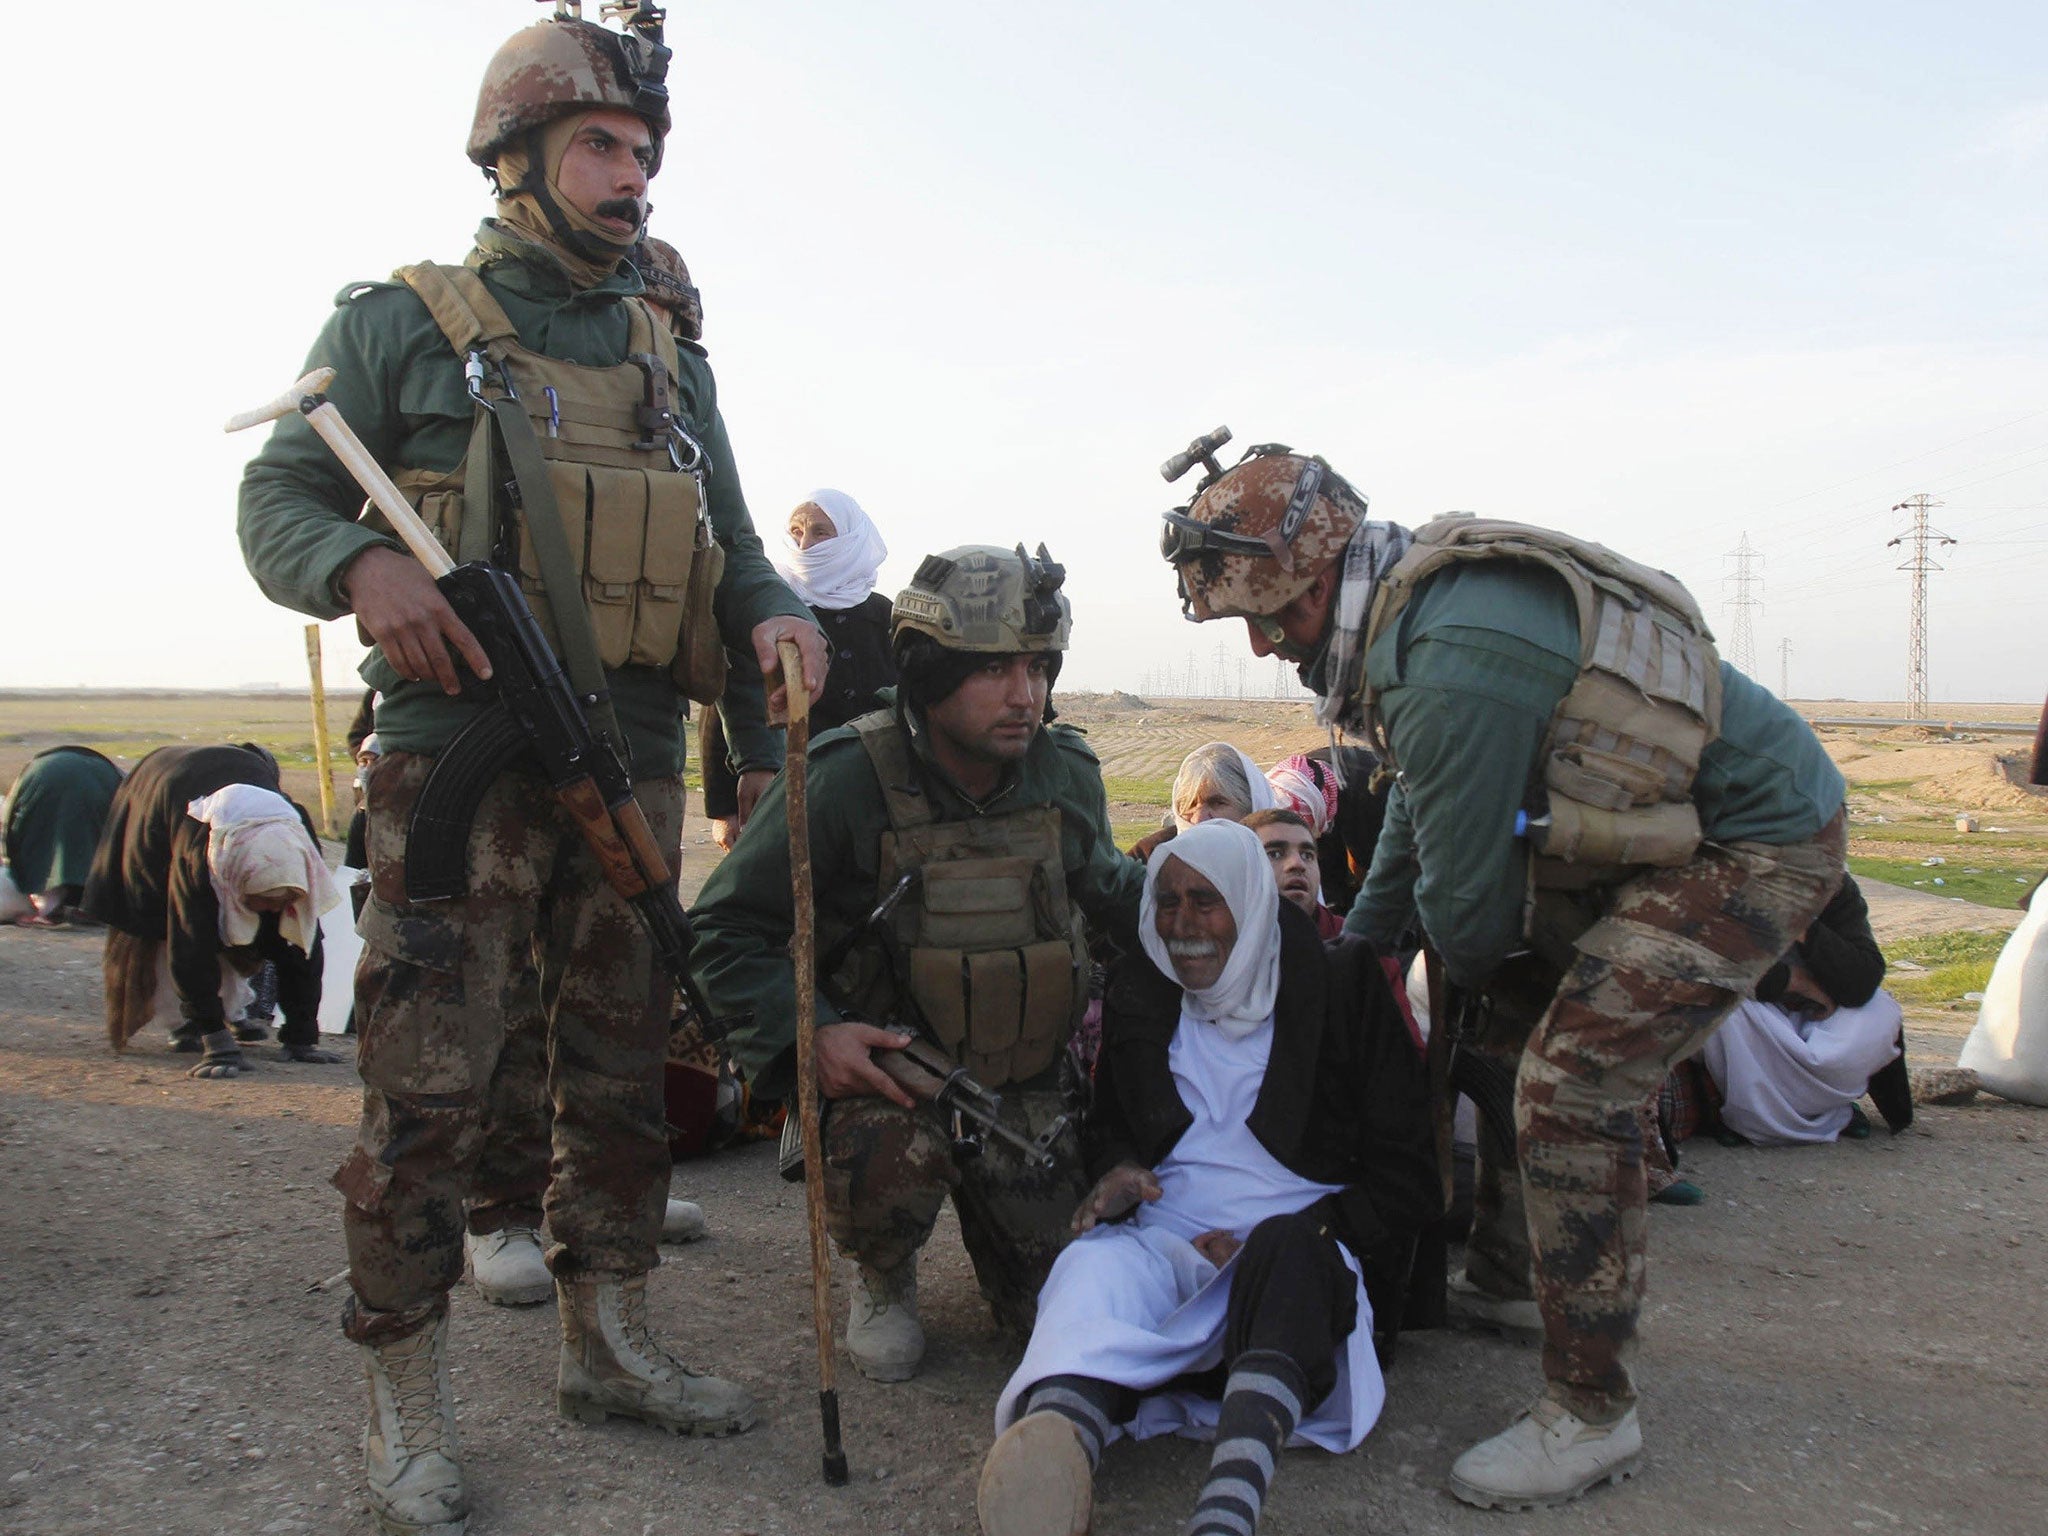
(256, 842)
(1229, 769)
(836, 572)
(1234, 861)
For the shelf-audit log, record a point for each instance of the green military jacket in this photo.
(1468, 679)
(399, 384)
(743, 915)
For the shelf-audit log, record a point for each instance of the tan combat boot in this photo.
(883, 1334)
(410, 1459)
(612, 1364)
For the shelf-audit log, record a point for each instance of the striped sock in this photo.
(1261, 1406)
(1084, 1402)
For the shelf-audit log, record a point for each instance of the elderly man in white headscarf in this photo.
(204, 858)
(1263, 1163)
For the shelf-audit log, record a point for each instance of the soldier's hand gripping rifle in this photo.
(536, 715)
(920, 1068)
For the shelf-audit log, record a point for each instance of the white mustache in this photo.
(1191, 949)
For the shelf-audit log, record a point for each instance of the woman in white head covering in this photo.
(1261, 1152)
(1218, 781)
(832, 554)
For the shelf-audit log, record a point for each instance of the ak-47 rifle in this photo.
(535, 714)
(921, 1068)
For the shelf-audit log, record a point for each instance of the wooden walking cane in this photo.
(804, 954)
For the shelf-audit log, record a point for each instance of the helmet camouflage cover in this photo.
(1256, 536)
(981, 598)
(564, 65)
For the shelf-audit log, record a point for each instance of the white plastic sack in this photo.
(2008, 1050)
(342, 944)
(13, 905)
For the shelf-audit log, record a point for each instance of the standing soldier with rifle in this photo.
(547, 429)
(957, 839)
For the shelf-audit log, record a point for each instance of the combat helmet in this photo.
(982, 598)
(1256, 535)
(565, 64)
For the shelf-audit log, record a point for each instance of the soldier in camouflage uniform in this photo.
(1581, 783)
(990, 826)
(569, 128)
(502, 1245)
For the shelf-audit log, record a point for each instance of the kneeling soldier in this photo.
(989, 827)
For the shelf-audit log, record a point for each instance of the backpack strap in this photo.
(888, 749)
(460, 304)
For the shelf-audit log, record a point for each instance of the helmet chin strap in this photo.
(537, 184)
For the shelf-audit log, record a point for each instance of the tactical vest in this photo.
(990, 947)
(631, 508)
(1618, 762)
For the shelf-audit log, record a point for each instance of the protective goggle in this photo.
(1183, 538)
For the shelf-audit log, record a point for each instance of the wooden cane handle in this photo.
(798, 697)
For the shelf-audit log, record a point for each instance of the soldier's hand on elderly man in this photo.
(399, 607)
(846, 1063)
(1116, 1195)
(810, 644)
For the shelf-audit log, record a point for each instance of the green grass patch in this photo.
(1139, 791)
(1993, 884)
(1957, 963)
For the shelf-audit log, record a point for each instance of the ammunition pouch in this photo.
(640, 554)
(993, 954)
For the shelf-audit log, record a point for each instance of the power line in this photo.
(1741, 632)
(1916, 632)
(1785, 669)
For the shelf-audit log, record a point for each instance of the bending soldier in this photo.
(1584, 787)
(997, 820)
(526, 401)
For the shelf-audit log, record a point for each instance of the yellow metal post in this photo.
(321, 749)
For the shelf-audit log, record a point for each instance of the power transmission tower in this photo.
(1240, 678)
(1784, 669)
(1916, 627)
(1222, 671)
(1740, 604)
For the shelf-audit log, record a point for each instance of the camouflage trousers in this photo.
(888, 1170)
(539, 963)
(1654, 976)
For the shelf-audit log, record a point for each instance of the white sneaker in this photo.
(1467, 1306)
(1547, 1456)
(508, 1267)
(883, 1335)
(683, 1222)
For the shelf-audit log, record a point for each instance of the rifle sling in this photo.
(541, 518)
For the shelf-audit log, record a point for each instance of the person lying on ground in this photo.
(1263, 1161)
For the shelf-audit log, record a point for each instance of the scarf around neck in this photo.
(1375, 549)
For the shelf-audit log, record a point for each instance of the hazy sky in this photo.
(1657, 273)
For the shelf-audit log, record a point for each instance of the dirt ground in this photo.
(1842, 1339)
